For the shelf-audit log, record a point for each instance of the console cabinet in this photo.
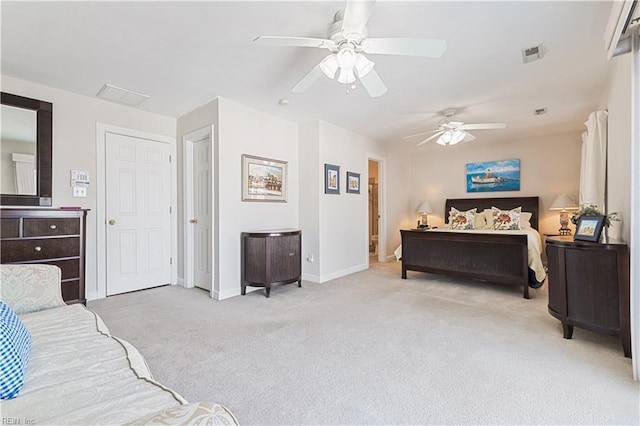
(51, 236)
(589, 287)
(271, 257)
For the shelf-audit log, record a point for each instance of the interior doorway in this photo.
(374, 210)
(198, 209)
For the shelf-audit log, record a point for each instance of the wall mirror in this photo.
(26, 133)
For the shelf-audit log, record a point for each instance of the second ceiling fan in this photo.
(451, 132)
(347, 40)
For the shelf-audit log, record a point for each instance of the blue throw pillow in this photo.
(15, 344)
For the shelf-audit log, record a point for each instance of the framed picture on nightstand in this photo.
(589, 228)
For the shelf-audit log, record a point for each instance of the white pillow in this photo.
(525, 220)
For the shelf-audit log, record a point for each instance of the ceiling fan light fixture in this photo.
(346, 58)
(363, 65)
(329, 66)
(451, 137)
(346, 76)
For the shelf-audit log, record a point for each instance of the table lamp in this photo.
(424, 210)
(564, 203)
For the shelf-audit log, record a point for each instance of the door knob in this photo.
(112, 222)
(193, 221)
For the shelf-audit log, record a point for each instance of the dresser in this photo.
(589, 287)
(51, 236)
(271, 257)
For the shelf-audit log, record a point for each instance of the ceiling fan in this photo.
(347, 41)
(451, 132)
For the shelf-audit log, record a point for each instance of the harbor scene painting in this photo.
(489, 176)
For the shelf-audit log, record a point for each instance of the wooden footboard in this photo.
(488, 257)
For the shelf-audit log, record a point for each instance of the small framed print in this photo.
(353, 183)
(331, 179)
(263, 179)
(589, 228)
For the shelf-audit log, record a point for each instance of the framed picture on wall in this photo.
(331, 179)
(491, 176)
(353, 183)
(589, 228)
(263, 179)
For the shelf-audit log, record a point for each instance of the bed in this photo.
(508, 257)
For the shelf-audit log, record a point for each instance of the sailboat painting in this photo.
(489, 176)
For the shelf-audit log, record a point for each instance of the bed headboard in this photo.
(529, 204)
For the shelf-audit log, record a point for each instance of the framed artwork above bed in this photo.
(491, 176)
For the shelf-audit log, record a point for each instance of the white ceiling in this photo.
(185, 54)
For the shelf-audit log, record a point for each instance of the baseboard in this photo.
(311, 278)
(344, 272)
(180, 282)
(92, 295)
(391, 258)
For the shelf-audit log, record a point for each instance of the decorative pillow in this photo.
(462, 220)
(15, 344)
(506, 219)
(488, 215)
(525, 220)
(480, 221)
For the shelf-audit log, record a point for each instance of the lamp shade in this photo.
(329, 66)
(564, 202)
(425, 207)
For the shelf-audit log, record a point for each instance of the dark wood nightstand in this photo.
(271, 257)
(589, 287)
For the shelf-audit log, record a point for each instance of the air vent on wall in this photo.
(122, 96)
(531, 54)
(540, 111)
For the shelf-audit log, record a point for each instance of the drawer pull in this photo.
(292, 254)
(37, 248)
(52, 226)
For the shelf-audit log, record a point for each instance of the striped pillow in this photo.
(15, 344)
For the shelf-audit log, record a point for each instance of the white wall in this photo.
(310, 192)
(243, 130)
(617, 100)
(549, 166)
(339, 224)
(74, 146)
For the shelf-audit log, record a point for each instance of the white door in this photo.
(202, 193)
(138, 213)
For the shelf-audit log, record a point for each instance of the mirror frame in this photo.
(44, 120)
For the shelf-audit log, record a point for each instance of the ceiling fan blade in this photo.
(468, 137)
(430, 48)
(483, 126)
(431, 137)
(356, 16)
(421, 133)
(294, 41)
(373, 84)
(307, 81)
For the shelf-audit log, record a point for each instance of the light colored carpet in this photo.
(371, 348)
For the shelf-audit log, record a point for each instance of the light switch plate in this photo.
(79, 191)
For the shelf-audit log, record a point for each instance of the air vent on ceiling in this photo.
(540, 111)
(531, 54)
(122, 96)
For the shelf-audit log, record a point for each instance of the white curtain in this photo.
(593, 170)
(25, 174)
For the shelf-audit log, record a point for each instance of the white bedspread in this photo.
(77, 375)
(534, 246)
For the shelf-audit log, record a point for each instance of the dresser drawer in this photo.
(39, 249)
(9, 228)
(44, 227)
(70, 291)
(70, 267)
